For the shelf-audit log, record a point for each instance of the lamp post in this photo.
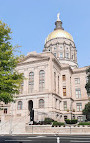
(11, 119)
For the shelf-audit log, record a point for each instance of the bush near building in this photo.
(84, 123)
(55, 123)
(74, 121)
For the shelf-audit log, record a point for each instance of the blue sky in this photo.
(32, 20)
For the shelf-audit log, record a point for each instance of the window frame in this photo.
(64, 91)
(41, 80)
(64, 77)
(77, 80)
(79, 107)
(65, 105)
(31, 82)
(19, 106)
(41, 104)
(78, 93)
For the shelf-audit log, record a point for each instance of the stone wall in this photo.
(48, 129)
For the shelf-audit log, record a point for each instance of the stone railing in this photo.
(48, 129)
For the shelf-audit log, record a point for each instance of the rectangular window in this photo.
(78, 93)
(65, 105)
(77, 80)
(63, 77)
(80, 118)
(61, 55)
(41, 80)
(55, 54)
(54, 81)
(67, 55)
(56, 103)
(58, 84)
(5, 111)
(64, 91)
(79, 107)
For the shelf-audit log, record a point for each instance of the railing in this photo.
(10, 124)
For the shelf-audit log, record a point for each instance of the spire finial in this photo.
(58, 17)
(58, 23)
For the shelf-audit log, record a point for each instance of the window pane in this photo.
(19, 105)
(41, 103)
(41, 80)
(31, 81)
(78, 93)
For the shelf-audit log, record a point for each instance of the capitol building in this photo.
(54, 85)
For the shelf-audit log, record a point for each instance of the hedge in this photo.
(84, 123)
(55, 123)
(48, 120)
(74, 121)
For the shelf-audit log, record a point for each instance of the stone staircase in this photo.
(14, 125)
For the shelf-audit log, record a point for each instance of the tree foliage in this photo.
(86, 111)
(88, 81)
(10, 79)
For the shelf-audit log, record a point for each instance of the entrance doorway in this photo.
(30, 105)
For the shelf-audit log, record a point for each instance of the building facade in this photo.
(54, 85)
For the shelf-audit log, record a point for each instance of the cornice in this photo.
(81, 99)
(67, 67)
(36, 94)
(68, 98)
(56, 61)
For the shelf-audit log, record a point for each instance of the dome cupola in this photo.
(61, 44)
(59, 31)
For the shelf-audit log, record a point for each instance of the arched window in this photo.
(31, 81)
(41, 80)
(19, 107)
(41, 103)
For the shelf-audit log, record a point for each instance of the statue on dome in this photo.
(58, 15)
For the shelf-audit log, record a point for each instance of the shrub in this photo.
(74, 121)
(55, 123)
(84, 123)
(48, 120)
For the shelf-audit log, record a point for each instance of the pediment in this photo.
(33, 58)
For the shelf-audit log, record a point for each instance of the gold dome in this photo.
(59, 33)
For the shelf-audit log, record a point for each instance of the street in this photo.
(45, 139)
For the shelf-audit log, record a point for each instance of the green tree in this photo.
(86, 111)
(88, 81)
(10, 79)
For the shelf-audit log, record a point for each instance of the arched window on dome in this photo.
(31, 82)
(19, 106)
(41, 103)
(41, 80)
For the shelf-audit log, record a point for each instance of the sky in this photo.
(32, 20)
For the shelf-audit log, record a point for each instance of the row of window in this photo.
(60, 48)
(42, 105)
(78, 106)
(31, 81)
(61, 55)
(20, 104)
(77, 80)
